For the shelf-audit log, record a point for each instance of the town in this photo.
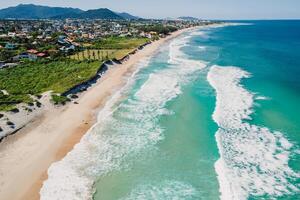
(36, 39)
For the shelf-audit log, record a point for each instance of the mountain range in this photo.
(31, 11)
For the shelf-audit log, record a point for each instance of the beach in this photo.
(26, 155)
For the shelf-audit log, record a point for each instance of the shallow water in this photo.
(214, 114)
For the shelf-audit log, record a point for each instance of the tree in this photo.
(89, 55)
(106, 55)
(94, 55)
(98, 52)
(83, 55)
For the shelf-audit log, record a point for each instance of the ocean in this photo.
(214, 114)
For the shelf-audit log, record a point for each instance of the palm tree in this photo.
(98, 54)
(94, 55)
(106, 55)
(89, 55)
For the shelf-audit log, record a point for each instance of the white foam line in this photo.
(253, 160)
(170, 189)
(121, 131)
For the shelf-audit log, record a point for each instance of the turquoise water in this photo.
(213, 115)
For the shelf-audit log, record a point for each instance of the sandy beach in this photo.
(26, 155)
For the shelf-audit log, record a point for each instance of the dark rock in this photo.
(9, 123)
(15, 110)
(38, 104)
(30, 104)
(28, 109)
(74, 96)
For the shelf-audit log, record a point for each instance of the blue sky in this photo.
(208, 9)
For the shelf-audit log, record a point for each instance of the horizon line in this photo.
(160, 18)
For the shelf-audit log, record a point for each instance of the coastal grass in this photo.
(34, 78)
(58, 76)
(115, 42)
(59, 100)
(109, 48)
(8, 102)
(100, 54)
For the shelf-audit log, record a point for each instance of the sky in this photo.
(205, 9)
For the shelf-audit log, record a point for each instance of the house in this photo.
(32, 51)
(62, 40)
(10, 46)
(11, 34)
(8, 65)
(76, 44)
(31, 57)
(21, 35)
(153, 33)
(41, 55)
(2, 64)
(67, 49)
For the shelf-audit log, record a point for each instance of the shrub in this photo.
(59, 100)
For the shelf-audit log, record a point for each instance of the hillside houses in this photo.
(35, 39)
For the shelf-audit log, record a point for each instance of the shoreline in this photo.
(47, 139)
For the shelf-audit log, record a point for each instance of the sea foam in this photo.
(124, 129)
(164, 190)
(253, 160)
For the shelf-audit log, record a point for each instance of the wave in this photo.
(164, 190)
(178, 58)
(124, 129)
(202, 48)
(253, 160)
(198, 33)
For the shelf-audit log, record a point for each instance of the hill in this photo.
(101, 13)
(128, 16)
(30, 11)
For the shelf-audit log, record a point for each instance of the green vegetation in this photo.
(159, 28)
(7, 54)
(37, 77)
(59, 100)
(119, 43)
(60, 73)
(109, 48)
(101, 55)
(8, 102)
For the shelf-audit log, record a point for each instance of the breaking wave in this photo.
(124, 128)
(164, 190)
(253, 159)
